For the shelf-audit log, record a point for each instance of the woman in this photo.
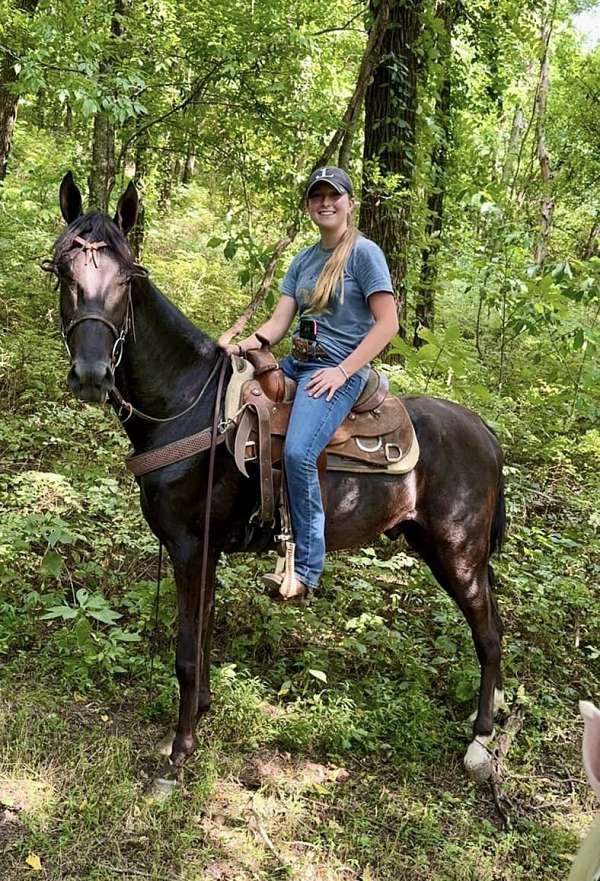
(342, 289)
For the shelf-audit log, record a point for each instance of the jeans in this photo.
(313, 422)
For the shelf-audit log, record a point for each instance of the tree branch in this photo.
(200, 84)
(365, 72)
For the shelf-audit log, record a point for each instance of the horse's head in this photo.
(94, 267)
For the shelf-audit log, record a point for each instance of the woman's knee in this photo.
(298, 456)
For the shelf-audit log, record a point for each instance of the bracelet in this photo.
(344, 372)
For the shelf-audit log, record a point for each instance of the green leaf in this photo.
(318, 674)
(106, 616)
(230, 249)
(65, 612)
(452, 333)
(52, 564)
(125, 635)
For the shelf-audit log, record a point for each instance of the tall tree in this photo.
(389, 147)
(425, 301)
(102, 169)
(541, 101)
(9, 97)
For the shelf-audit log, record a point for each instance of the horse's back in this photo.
(451, 431)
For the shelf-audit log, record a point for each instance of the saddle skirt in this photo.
(376, 437)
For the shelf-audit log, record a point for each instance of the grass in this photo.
(359, 777)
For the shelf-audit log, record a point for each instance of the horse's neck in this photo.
(165, 359)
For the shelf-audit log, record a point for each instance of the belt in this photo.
(307, 350)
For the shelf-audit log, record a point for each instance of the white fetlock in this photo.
(478, 759)
(499, 699)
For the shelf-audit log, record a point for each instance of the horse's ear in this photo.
(127, 208)
(70, 198)
(591, 743)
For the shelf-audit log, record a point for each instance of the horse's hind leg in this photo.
(463, 573)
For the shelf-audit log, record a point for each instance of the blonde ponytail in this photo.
(332, 273)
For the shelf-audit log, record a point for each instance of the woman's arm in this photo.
(274, 329)
(330, 379)
(383, 310)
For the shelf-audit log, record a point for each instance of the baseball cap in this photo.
(337, 177)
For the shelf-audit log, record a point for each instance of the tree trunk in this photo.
(9, 99)
(190, 164)
(546, 202)
(389, 148)
(136, 236)
(514, 145)
(425, 304)
(102, 171)
(590, 248)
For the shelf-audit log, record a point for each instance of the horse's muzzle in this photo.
(91, 381)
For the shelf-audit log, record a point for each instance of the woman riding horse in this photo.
(341, 287)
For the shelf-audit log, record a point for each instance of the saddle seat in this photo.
(376, 436)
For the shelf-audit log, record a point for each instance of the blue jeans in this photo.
(313, 422)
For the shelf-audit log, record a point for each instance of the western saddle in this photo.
(377, 436)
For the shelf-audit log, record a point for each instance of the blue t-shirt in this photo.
(344, 324)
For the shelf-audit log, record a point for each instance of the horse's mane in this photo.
(94, 227)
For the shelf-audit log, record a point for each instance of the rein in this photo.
(133, 411)
(200, 659)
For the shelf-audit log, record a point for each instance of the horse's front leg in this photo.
(193, 673)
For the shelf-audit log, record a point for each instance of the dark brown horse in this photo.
(122, 333)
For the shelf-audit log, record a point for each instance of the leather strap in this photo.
(242, 438)
(200, 658)
(256, 419)
(177, 451)
(263, 412)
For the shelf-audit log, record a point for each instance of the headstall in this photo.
(90, 250)
(125, 409)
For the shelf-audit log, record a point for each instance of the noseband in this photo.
(90, 250)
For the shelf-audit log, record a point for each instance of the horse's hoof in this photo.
(479, 761)
(165, 745)
(161, 789)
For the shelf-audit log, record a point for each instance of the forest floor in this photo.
(334, 746)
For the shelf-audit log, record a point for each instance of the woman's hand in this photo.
(328, 379)
(230, 348)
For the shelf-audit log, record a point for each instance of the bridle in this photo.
(90, 250)
(125, 409)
